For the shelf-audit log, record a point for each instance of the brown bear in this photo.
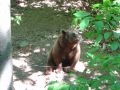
(66, 50)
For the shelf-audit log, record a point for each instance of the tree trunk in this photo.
(5, 46)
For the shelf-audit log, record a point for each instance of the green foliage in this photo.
(58, 86)
(103, 21)
(115, 86)
(108, 66)
(107, 35)
(81, 14)
(84, 23)
(17, 19)
(79, 84)
(98, 40)
(115, 45)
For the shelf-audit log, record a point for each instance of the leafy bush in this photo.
(102, 23)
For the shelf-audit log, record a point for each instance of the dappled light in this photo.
(24, 55)
(37, 50)
(59, 5)
(36, 24)
(22, 64)
(27, 77)
(40, 4)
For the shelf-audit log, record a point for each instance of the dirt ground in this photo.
(32, 40)
(34, 37)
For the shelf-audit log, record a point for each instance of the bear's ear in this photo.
(63, 32)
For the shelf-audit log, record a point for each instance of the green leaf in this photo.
(114, 45)
(116, 17)
(83, 88)
(74, 87)
(58, 86)
(84, 23)
(96, 6)
(18, 22)
(65, 87)
(99, 39)
(18, 18)
(107, 35)
(106, 26)
(91, 34)
(115, 86)
(75, 21)
(99, 17)
(114, 23)
(81, 14)
(99, 26)
(95, 84)
(106, 2)
(94, 49)
(90, 55)
(106, 61)
(82, 80)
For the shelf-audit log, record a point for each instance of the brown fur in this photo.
(66, 51)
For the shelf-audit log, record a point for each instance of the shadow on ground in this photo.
(41, 23)
(32, 40)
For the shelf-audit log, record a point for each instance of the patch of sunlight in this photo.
(36, 81)
(21, 63)
(56, 76)
(35, 75)
(47, 45)
(25, 54)
(23, 3)
(19, 85)
(116, 73)
(39, 79)
(49, 3)
(95, 74)
(80, 66)
(36, 50)
(52, 3)
(88, 71)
